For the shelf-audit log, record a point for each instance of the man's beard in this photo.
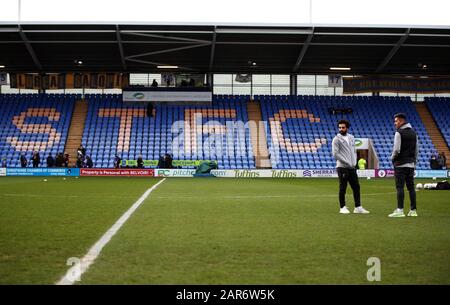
(344, 133)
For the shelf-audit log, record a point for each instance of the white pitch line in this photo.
(95, 250)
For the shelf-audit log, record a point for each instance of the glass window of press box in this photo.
(256, 84)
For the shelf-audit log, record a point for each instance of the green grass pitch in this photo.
(219, 231)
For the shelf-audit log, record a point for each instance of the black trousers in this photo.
(405, 175)
(348, 175)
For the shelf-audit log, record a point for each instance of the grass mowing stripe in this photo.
(92, 254)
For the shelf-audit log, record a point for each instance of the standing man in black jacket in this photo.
(50, 161)
(140, 162)
(23, 161)
(36, 159)
(404, 157)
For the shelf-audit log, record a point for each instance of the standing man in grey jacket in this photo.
(344, 151)
(404, 157)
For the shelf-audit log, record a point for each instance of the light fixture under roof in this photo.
(167, 67)
(340, 68)
(2, 66)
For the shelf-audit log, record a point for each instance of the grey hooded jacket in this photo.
(344, 153)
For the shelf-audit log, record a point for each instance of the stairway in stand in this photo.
(258, 136)
(76, 131)
(432, 129)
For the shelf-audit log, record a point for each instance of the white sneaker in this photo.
(412, 213)
(344, 210)
(360, 210)
(397, 213)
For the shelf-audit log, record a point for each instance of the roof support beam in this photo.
(225, 43)
(166, 37)
(213, 50)
(264, 31)
(168, 50)
(232, 31)
(105, 31)
(391, 54)
(303, 51)
(30, 49)
(119, 42)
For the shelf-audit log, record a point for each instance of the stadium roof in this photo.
(224, 49)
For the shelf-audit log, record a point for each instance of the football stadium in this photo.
(281, 144)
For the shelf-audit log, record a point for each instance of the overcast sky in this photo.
(416, 13)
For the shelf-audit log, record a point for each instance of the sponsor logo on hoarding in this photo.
(220, 173)
(366, 173)
(175, 172)
(384, 173)
(258, 173)
(175, 163)
(116, 172)
(324, 173)
(320, 173)
(283, 174)
(358, 142)
(246, 173)
(139, 95)
(381, 173)
(2, 171)
(43, 171)
(448, 174)
(430, 173)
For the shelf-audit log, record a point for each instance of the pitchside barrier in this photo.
(229, 173)
(295, 173)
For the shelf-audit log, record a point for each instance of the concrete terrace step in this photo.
(76, 130)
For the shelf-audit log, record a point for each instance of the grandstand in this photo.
(31, 122)
(312, 125)
(112, 128)
(440, 110)
(299, 129)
